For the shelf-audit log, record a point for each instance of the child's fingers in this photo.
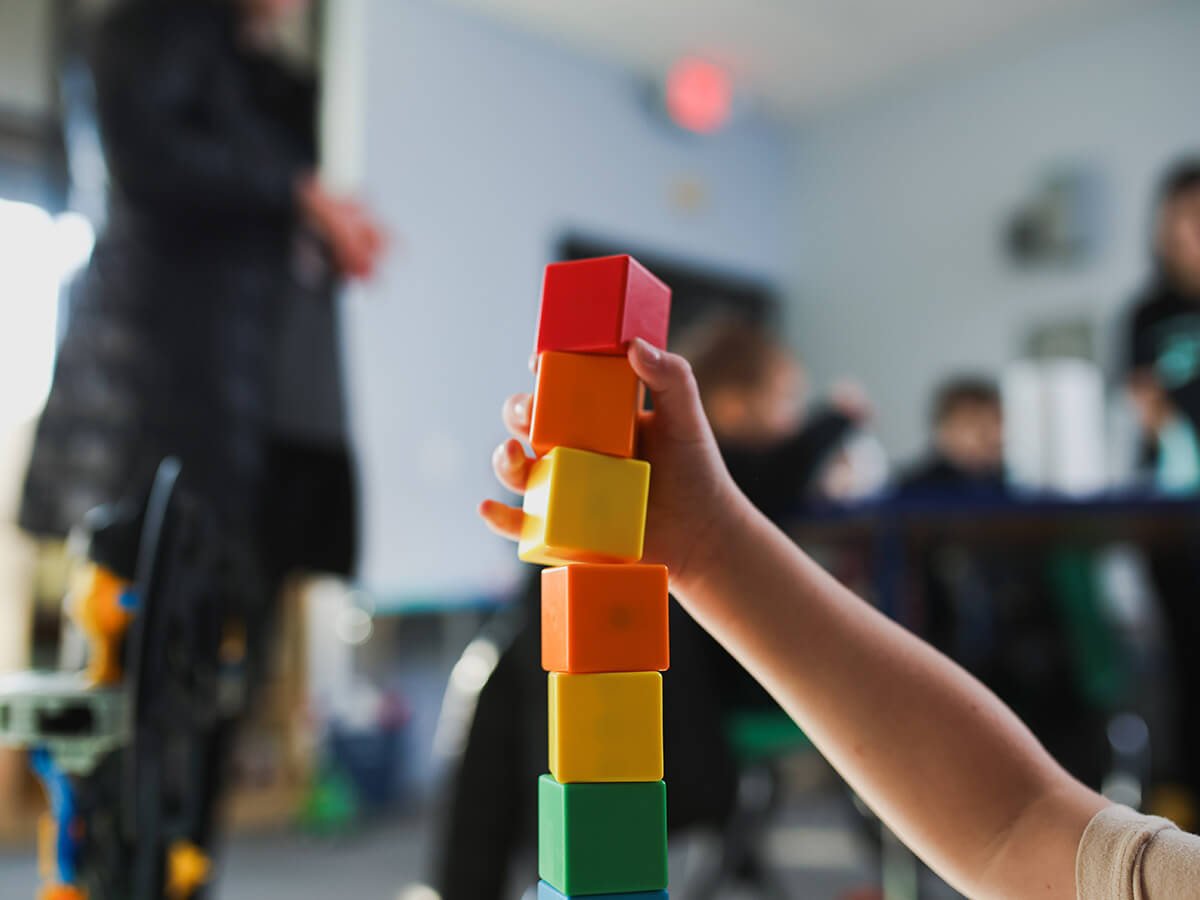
(505, 520)
(516, 415)
(511, 465)
(672, 385)
(660, 370)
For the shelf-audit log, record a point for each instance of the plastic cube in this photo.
(584, 507)
(587, 402)
(602, 838)
(600, 305)
(606, 727)
(549, 892)
(605, 618)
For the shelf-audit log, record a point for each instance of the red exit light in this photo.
(699, 95)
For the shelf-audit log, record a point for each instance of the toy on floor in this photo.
(130, 750)
(602, 829)
(74, 721)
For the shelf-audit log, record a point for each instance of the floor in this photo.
(817, 852)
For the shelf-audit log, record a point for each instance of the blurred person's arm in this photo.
(950, 768)
(1151, 403)
(789, 470)
(353, 236)
(803, 455)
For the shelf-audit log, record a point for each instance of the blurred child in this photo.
(778, 450)
(967, 453)
(755, 394)
(950, 769)
(990, 606)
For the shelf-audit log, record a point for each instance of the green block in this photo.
(602, 838)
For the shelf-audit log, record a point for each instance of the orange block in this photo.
(587, 402)
(605, 618)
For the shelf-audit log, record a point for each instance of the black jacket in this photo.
(168, 347)
(780, 477)
(937, 478)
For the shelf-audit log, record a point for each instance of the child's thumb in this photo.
(671, 383)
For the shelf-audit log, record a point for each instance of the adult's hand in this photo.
(354, 237)
(1150, 402)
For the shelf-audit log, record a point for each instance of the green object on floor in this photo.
(602, 838)
(331, 805)
(1096, 653)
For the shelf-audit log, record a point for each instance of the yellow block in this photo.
(606, 727)
(584, 507)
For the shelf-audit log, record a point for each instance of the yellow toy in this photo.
(188, 868)
(602, 809)
(606, 727)
(584, 507)
(103, 612)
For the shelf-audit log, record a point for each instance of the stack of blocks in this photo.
(602, 823)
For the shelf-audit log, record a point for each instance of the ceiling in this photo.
(796, 56)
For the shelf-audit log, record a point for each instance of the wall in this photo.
(897, 201)
(481, 147)
(24, 74)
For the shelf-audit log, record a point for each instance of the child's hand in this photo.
(691, 493)
(849, 398)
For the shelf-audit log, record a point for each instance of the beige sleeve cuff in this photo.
(1127, 856)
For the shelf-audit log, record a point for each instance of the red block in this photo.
(600, 305)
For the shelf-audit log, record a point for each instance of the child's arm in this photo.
(939, 757)
(958, 777)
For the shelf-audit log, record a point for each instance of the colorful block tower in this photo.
(602, 830)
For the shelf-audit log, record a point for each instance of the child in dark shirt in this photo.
(755, 394)
(967, 456)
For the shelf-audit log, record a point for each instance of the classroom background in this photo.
(932, 263)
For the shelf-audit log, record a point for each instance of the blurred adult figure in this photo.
(203, 326)
(1163, 377)
(1163, 350)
